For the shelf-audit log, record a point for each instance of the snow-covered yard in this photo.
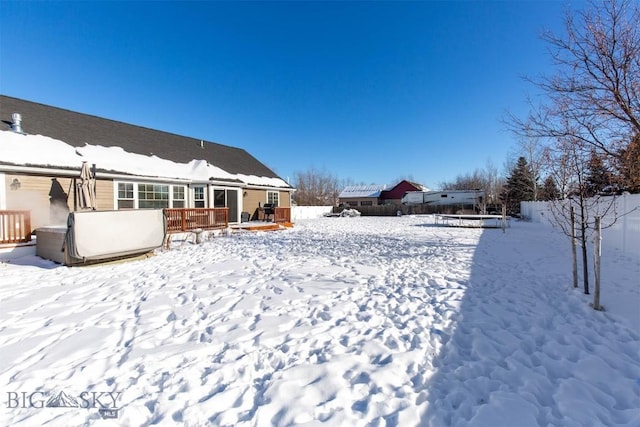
(338, 321)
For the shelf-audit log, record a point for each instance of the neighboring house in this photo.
(393, 196)
(42, 149)
(373, 195)
(360, 195)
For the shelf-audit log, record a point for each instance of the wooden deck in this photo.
(191, 223)
(260, 226)
(281, 219)
(179, 220)
(15, 226)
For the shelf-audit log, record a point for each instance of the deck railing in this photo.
(282, 215)
(189, 219)
(15, 226)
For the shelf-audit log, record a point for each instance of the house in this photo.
(42, 150)
(360, 195)
(393, 196)
(373, 195)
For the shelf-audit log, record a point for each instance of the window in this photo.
(272, 197)
(219, 198)
(132, 195)
(178, 196)
(153, 196)
(125, 195)
(366, 203)
(198, 197)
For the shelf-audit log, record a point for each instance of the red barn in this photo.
(394, 195)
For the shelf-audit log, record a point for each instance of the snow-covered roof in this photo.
(123, 147)
(421, 187)
(362, 191)
(43, 151)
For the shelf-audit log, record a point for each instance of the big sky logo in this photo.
(105, 402)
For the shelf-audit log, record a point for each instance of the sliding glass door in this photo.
(227, 198)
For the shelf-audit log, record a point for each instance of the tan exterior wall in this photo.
(285, 199)
(50, 199)
(104, 195)
(251, 198)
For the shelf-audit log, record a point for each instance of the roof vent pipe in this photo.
(16, 126)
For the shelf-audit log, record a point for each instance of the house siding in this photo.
(104, 194)
(255, 198)
(285, 199)
(49, 198)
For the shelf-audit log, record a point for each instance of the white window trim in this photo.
(3, 191)
(115, 193)
(272, 191)
(218, 187)
(238, 198)
(184, 200)
(205, 193)
(153, 190)
(136, 204)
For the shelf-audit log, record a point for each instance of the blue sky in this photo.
(368, 91)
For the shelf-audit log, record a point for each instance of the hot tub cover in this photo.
(96, 235)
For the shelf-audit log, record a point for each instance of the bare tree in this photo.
(469, 181)
(591, 105)
(557, 166)
(486, 179)
(581, 213)
(596, 88)
(494, 183)
(316, 187)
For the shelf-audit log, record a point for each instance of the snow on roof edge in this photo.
(43, 151)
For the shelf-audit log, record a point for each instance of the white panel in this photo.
(3, 192)
(105, 234)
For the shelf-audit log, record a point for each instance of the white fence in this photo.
(624, 234)
(309, 212)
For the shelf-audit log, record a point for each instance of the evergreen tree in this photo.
(520, 187)
(629, 167)
(599, 178)
(549, 190)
